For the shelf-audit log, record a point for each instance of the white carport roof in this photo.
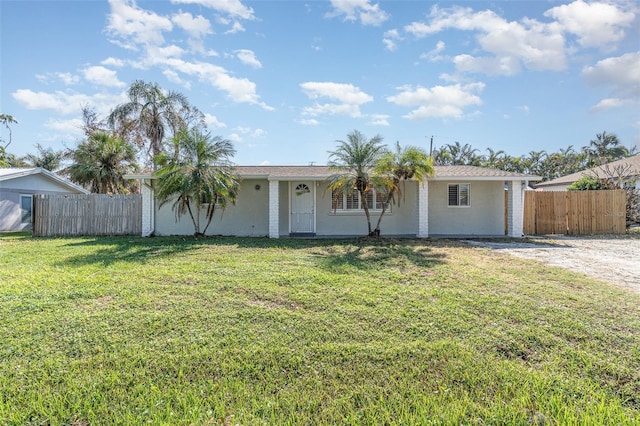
(14, 173)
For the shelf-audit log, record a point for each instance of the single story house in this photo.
(630, 165)
(17, 187)
(283, 201)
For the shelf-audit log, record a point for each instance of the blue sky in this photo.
(284, 80)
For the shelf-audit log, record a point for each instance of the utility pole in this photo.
(431, 147)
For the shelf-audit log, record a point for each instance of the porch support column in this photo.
(515, 208)
(148, 219)
(274, 213)
(423, 209)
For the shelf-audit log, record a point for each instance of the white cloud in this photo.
(596, 24)
(506, 65)
(135, 26)
(196, 27)
(434, 55)
(212, 121)
(362, 10)
(389, 39)
(102, 76)
(309, 122)
(73, 126)
(248, 57)
(233, 8)
(258, 133)
(525, 109)
(65, 77)
(346, 93)
(265, 163)
(438, 101)
(113, 62)
(173, 77)
(235, 28)
(533, 44)
(379, 120)
(348, 96)
(67, 103)
(234, 137)
(621, 74)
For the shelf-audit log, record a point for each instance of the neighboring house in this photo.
(631, 165)
(17, 187)
(279, 201)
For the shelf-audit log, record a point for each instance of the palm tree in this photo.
(493, 158)
(393, 168)
(604, 149)
(148, 115)
(46, 158)
(353, 163)
(198, 175)
(101, 162)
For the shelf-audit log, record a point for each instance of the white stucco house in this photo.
(17, 187)
(283, 201)
(631, 165)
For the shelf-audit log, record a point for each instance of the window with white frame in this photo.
(459, 195)
(26, 208)
(350, 201)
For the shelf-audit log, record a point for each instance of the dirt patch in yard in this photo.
(612, 259)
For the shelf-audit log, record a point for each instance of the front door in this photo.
(302, 219)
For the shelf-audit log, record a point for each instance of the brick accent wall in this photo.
(423, 210)
(274, 201)
(147, 210)
(515, 209)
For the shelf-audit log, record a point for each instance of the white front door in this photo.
(302, 218)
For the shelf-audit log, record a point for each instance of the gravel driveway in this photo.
(615, 260)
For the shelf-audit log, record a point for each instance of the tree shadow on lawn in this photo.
(367, 253)
(361, 253)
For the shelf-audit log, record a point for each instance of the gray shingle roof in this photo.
(323, 172)
(630, 163)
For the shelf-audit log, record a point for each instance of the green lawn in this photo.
(257, 331)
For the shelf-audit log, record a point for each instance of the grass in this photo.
(256, 331)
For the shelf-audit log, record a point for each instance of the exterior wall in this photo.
(248, 217)
(10, 191)
(484, 217)
(559, 187)
(400, 220)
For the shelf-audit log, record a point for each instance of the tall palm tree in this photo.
(149, 115)
(395, 168)
(199, 175)
(353, 163)
(101, 162)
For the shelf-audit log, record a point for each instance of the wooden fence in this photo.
(574, 212)
(73, 215)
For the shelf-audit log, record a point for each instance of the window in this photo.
(459, 195)
(26, 207)
(351, 200)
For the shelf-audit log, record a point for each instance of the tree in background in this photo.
(393, 169)
(100, 163)
(353, 163)
(605, 148)
(199, 175)
(6, 159)
(46, 158)
(150, 115)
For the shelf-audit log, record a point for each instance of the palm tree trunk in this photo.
(384, 209)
